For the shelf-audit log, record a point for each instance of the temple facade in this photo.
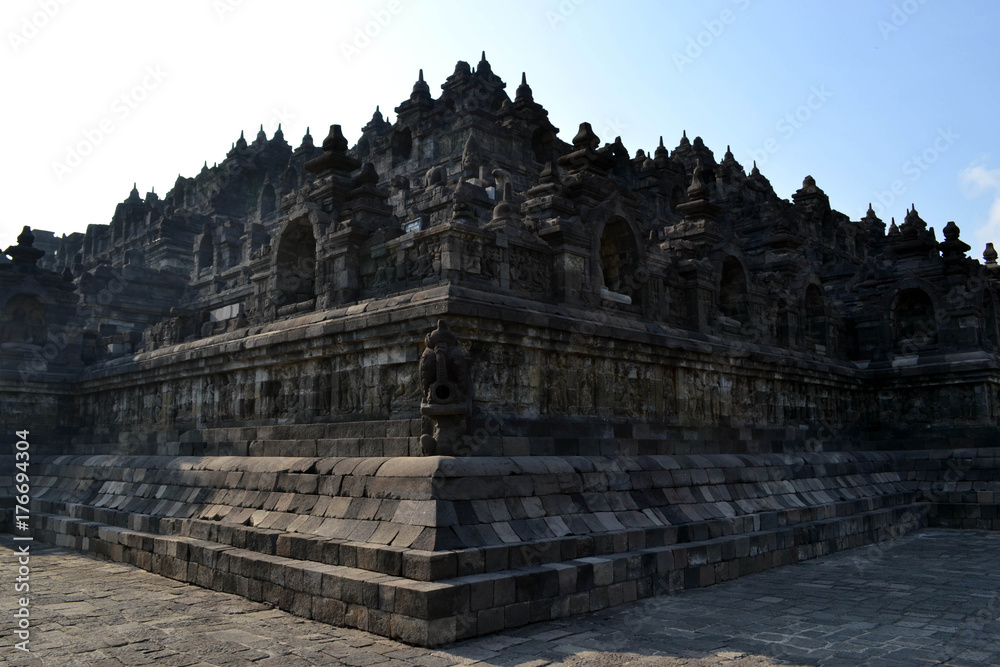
(463, 288)
(590, 285)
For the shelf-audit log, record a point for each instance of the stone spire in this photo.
(421, 91)
(483, 68)
(377, 124)
(307, 143)
(523, 93)
(661, 151)
(484, 72)
(872, 223)
(133, 197)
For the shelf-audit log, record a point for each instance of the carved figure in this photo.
(444, 391)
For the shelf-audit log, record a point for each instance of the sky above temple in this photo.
(888, 102)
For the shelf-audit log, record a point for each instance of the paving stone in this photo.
(134, 617)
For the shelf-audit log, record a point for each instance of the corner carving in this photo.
(444, 392)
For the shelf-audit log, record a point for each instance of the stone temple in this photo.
(464, 375)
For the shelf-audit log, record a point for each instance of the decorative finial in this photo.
(26, 238)
(990, 255)
(585, 138)
(951, 231)
(335, 141)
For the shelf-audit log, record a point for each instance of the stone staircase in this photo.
(434, 549)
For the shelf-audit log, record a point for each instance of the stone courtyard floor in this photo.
(930, 598)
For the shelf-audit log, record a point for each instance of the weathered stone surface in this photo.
(667, 300)
(657, 373)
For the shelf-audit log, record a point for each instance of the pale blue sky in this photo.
(864, 96)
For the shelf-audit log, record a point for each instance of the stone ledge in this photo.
(435, 613)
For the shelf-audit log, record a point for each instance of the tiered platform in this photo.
(434, 549)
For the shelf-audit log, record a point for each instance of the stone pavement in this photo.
(930, 598)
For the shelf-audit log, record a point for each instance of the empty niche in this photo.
(296, 262)
(733, 290)
(913, 324)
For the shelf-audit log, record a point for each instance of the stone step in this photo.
(434, 530)
(438, 504)
(400, 558)
(434, 613)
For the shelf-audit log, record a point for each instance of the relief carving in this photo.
(444, 388)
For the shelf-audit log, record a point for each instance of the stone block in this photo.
(328, 610)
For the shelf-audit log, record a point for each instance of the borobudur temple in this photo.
(464, 376)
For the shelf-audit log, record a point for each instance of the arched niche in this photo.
(815, 311)
(784, 325)
(296, 263)
(23, 321)
(676, 197)
(914, 326)
(543, 144)
(618, 257)
(206, 252)
(733, 297)
(268, 201)
(401, 145)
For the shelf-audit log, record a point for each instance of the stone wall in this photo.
(615, 384)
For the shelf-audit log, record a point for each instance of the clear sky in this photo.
(891, 102)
